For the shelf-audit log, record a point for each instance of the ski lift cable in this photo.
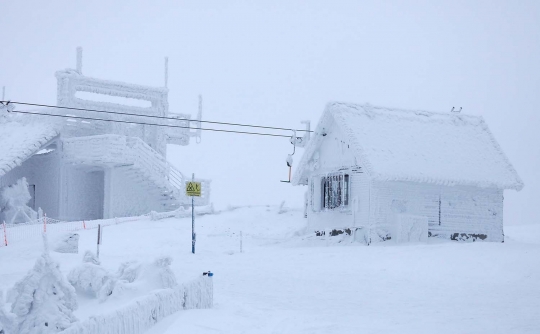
(155, 116)
(144, 123)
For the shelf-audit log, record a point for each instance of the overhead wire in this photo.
(157, 116)
(145, 123)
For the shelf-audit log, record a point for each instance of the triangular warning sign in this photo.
(193, 188)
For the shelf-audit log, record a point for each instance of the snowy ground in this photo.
(285, 283)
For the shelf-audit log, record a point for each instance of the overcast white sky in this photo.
(279, 62)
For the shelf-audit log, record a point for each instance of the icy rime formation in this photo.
(7, 319)
(147, 311)
(394, 166)
(89, 278)
(13, 203)
(43, 301)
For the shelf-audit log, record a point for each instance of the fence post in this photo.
(84, 225)
(44, 223)
(98, 238)
(5, 234)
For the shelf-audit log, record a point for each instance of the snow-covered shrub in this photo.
(129, 271)
(156, 275)
(43, 301)
(90, 257)
(68, 243)
(89, 278)
(7, 319)
(133, 278)
(161, 270)
(13, 201)
(140, 278)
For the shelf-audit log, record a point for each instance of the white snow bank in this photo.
(145, 312)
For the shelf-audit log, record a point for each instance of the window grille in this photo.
(335, 191)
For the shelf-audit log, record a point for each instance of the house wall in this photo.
(43, 171)
(334, 155)
(449, 210)
(83, 191)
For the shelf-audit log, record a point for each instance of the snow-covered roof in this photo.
(19, 141)
(418, 146)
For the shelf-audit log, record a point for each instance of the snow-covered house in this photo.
(78, 167)
(405, 175)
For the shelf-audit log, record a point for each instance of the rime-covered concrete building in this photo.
(78, 167)
(384, 174)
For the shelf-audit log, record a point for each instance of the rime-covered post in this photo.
(193, 219)
(98, 238)
(166, 72)
(3, 93)
(79, 60)
(5, 234)
(240, 241)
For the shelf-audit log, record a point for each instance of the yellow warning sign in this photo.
(193, 188)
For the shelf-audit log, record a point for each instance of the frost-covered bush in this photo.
(140, 278)
(160, 273)
(90, 257)
(129, 271)
(133, 278)
(7, 319)
(43, 301)
(89, 278)
(68, 243)
(13, 200)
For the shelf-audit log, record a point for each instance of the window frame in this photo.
(339, 198)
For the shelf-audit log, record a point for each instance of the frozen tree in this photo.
(43, 301)
(90, 257)
(142, 278)
(161, 267)
(7, 319)
(69, 243)
(13, 201)
(89, 277)
(129, 271)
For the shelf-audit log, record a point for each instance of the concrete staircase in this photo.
(139, 162)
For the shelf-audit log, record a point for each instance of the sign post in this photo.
(193, 189)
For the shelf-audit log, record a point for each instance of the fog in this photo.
(277, 63)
